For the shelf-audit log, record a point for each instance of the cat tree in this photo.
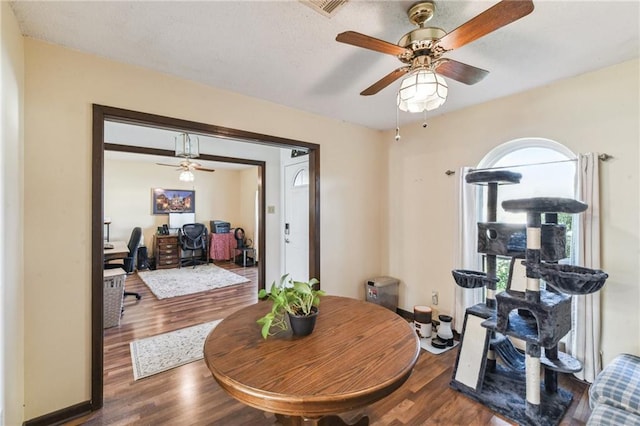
(538, 316)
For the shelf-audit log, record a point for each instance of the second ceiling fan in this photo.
(188, 166)
(187, 147)
(424, 47)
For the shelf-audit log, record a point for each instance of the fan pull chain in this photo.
(397, 125)
(424, 121)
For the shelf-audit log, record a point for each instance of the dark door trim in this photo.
(102, 113)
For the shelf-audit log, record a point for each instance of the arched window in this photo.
(548, 169)
(301, 178)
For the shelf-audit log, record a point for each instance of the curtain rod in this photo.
(605, 157)
(601, 157)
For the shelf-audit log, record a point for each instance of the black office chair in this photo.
(193, 237)
(129, 262)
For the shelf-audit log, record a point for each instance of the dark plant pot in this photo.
(302, 325)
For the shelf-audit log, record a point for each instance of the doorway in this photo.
(296, 220)
(103, 113)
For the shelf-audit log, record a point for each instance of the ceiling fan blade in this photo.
(497, 16)
(458, 71)
(385, 81)
(371, 43)
(169, 165)
(203, 169)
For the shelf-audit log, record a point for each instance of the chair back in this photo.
(193, 236)
(134, 243)
(238, 234)
(134, 240)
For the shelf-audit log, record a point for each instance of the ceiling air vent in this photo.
(324, 7)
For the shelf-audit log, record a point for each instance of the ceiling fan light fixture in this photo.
(422, 90)
(187, 146)
(187, 176)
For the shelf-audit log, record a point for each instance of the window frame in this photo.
(502, 150)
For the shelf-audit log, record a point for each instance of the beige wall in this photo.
(11, 220)
(60, 86)
(595, 112)
(127, 196)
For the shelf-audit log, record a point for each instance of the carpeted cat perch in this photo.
(539, 317)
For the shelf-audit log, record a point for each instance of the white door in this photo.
(296, 218)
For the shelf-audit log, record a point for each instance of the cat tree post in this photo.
(551, 375)
(492, 207)
(532, 294)
(492, 216)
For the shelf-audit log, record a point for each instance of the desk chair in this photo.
(193, 237)
(243, 245)
(129, 262)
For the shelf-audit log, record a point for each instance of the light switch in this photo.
(271, 209)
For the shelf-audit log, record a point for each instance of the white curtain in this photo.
(583, 341)
(466, 256)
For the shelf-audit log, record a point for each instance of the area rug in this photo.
(166, 283)
(163, 352)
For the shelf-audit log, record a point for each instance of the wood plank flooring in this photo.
(188, 395)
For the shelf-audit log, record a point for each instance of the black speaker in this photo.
(143, 258)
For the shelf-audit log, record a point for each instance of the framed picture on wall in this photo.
(173, 201)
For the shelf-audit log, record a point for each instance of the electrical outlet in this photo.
(434, 297)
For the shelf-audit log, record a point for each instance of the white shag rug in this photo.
(166, 283)
(163, 352)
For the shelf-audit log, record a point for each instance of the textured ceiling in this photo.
(284, 52)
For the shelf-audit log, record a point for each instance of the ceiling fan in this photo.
(424, 47)
(187, 166)
(187, 147)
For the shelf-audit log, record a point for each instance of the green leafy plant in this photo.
(292, 297)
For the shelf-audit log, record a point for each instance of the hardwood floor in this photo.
(188, 395)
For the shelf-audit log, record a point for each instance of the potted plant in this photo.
(296, 300)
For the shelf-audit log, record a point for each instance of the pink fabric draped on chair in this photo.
(222, 246)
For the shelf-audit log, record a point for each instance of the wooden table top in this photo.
(119, 250)
(358, 353)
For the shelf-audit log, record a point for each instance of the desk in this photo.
(222, 246)
(357, 354)
(119, 251)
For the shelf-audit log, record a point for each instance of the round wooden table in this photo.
(358, 353)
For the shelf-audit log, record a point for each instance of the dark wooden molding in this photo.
(102, 113)
(61, 416)
(172, 154)
(162, 122)
(97, 238)
(314, 214)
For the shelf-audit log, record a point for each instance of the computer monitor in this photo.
(176, 220)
